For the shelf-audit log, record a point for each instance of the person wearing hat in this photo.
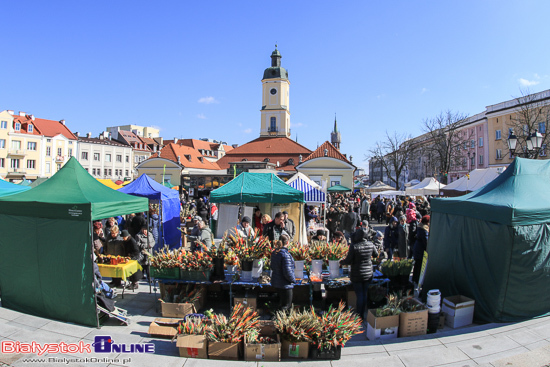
(274, 229)
(196, 231)
(205, 237)
(321, 235)
(339, 237)
(289, 225)
(133, 252)
(244, 229)
(420, 246)
(360, 256)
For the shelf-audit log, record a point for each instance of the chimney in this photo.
(77, 134)
(11, 112)
(109, 136)
(179, 159)
(158, 154)
(89, 135)
(21, 113)
(102, 135)
(62, 122)
(32, 117)
(235, 145)
(175, 140)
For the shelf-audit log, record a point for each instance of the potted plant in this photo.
(165, 264)
(317, 254)
(335, 252)
(191, 340)
(300, 253)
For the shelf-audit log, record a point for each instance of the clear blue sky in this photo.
(193, 68)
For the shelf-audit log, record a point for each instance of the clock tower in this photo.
(275, 98)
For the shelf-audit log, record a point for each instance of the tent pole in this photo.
(93, 272)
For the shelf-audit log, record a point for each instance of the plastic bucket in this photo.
(434, 309)
(299, 269)
(334, 268)
(433, 322)
(257, 268)
(317, 267)
(434, 298)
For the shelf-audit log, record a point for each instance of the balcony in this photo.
(59, 159)
(17, 153)
(272, 130)
(16, 172)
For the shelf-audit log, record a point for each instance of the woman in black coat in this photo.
(360, 258)
(282, 277)
(420, 246)
(132, 251)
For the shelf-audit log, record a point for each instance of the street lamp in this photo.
(473, 155)
(533, 143)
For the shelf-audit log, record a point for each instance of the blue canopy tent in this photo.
(312, 192)
(8, 188)
(170, 205)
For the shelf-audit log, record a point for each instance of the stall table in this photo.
(122, 271)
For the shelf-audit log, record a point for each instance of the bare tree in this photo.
(393, 154)
(531, 115)
(445, 140)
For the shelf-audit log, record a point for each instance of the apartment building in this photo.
(105, 158)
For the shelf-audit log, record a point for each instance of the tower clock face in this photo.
(273, 91)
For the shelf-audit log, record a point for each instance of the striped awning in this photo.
(311, 194)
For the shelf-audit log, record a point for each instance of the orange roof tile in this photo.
(277, 149)
(189, 157)
(332, 152)
(25, 122)
(45, 127)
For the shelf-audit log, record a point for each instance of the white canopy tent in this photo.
(379, 186)
(428, 186)
(390, 194)
(412, 183)
(478, 179)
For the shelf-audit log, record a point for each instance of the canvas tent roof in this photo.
(478, 179)
(145, 186)
(412, 183)
(379, 186)
(38, 181)
(428, 186)
(493, 245)
(109, 183)
(338, 188)
(8, 188)
(256, 188)
(312, 191)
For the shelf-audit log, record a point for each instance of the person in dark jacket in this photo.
(138, 222)
(349, 223)
(282, 277)
(420, 246)
(380, 210)
(274, 229)
(360, 258)
(133, 252)
(402, 238)
(290, 227)
(391, 237)
(413, 225)
(202, 210)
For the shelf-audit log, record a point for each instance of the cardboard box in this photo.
(251, 302)
(458, 310)
(229, 351)
(382, 327)
(181, 309)
(192, 346)
(164, 328)
(298, 350)
(263, 352)
(413, 323)
(267, 327)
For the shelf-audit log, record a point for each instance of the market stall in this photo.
(428, 186)
(46, 244)
(377, 187)
(170, 207)
(475, 180)
(262, 189)
(8, 188)
(493, 245)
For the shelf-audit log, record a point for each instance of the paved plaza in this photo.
(519, 344)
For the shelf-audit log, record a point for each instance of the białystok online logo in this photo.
(101, 344)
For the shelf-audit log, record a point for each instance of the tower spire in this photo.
(335, 138)
(335, 123)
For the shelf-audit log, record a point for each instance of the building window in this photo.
(93, 171)
(16, 144)
(2, 160)
(136, 159)
(119, 158)
(497, 134)
(70, 152)
(127, 159)
(31, 145)
(60, 151)
(480, 142)
(48, 140)
(110, 172)
(105, 171)
(58, 166)
(499, 154)
(542, 127)
(31, 128)
(17, 126)
(4, 124)
(85, 156)
(273, 124)
(126, 173)
(2, 143)
(14, 163)
(31, 163)
(96, 157)
(70, 143)
(107, 157)
(48, 167)
(543, 150)
(472, 143)
(472, 161)
(480, 159)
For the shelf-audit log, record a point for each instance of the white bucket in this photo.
(434, 298)
(257, 268)
(434, 309)
(299, 269)
(334, 268)
(317, 267)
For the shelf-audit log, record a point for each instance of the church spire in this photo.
(335, 135)
(335, 124)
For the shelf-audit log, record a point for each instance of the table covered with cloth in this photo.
(120, 270)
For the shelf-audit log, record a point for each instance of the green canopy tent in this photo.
(38, 181)
(493, 244)
(46, 244)
(338, 188)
